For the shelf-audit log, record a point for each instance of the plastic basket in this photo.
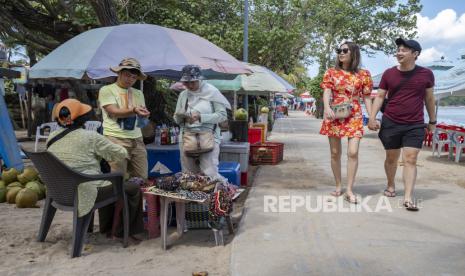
(269, 153)
(255, 135)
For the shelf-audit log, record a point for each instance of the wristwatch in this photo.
(432, 122)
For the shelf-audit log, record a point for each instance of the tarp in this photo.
(452, 82)
(9, 149)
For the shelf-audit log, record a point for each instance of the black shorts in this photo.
(395, 136)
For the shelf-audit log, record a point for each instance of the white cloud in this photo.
(446, 28)
(429, 55)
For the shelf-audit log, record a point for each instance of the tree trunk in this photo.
(155, 102)
(105, 11)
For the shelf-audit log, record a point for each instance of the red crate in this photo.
(255, 135)
(269, 153)
(244, 179)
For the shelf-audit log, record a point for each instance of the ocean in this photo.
(450, 115)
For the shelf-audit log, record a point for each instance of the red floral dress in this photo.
(344, 84)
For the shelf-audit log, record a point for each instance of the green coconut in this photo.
(2, 184)
(36, 187)
(240, 114)
(26, 198)
(2, 194)
(14, 184)
(11, 194)
(10, 175)
(265, 109)
(29, 174)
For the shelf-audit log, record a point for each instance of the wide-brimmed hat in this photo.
(75, 107)
(129, 63)
(191, 73)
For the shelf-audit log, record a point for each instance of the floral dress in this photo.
(344, 86)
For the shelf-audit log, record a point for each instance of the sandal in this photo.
(388, 193)
(410, 206)
(336, 193)
(351, 199)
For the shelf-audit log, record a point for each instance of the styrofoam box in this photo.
(236, 152)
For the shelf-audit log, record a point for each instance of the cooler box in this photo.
(232, 171)
(167, 156)
(255, 135)
(237, 152)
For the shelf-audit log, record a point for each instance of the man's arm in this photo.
(375, 107)
(430, 103)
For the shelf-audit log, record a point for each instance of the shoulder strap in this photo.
(59, 136)
(402, 82)
(213, 111)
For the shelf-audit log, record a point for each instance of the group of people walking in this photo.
(403, 92)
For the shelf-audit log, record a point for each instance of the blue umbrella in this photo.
(161, 52)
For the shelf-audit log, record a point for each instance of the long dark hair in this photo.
(354, 57)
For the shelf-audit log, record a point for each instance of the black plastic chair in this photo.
(62, 182)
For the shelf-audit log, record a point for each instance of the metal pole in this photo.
(246, 46)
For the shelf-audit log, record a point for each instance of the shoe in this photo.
(410, 206)
(336, 193)
(351, 199)
(389, 193)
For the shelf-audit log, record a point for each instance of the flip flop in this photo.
(351, 199)
(410, 206)
(336, 193)
(388, 193)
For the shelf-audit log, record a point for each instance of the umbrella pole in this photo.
(235, 101)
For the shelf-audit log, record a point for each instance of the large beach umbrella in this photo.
(161, 52)
(261, 81)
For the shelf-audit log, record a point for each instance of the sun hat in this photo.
(75, 107)
(129, 63)
(191, 73)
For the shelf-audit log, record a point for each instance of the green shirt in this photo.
(82, 151)
(113, 94)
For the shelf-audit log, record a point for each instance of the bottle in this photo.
(158, 136)
(164, 136)
(173, 136)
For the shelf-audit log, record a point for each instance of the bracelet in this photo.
(432, 123)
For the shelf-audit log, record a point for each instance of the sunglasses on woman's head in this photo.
(344, 50)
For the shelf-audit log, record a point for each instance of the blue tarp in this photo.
(9, 149)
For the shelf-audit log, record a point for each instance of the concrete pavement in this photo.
(428, 242)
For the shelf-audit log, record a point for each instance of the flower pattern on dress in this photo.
(346, 86)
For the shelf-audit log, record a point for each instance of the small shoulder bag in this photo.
(195, 143)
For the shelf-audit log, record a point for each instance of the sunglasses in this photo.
(339, 51)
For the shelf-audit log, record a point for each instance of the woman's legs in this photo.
(335, 148)
(352, 163)
(209, 163)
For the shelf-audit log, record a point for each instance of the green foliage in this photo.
(314, 86)
(452, 100)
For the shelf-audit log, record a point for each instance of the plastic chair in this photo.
(62, 183)
(52, 126)
(458, 144)
(439, 143)
(93, 125)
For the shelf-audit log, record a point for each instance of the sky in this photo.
(440, 31)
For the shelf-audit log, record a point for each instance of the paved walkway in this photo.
(429, 242)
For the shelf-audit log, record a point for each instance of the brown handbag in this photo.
(195, 143)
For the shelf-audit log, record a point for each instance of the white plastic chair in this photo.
(92, 125)
(439, 145)
(458, 146)
(52, 127)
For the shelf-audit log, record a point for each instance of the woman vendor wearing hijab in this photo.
(200, 108)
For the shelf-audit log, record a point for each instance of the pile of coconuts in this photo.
(21, 188)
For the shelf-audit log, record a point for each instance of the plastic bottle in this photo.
(173, 135)
(164, 136)
(158, 136)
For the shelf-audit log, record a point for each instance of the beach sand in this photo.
(20, 254)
